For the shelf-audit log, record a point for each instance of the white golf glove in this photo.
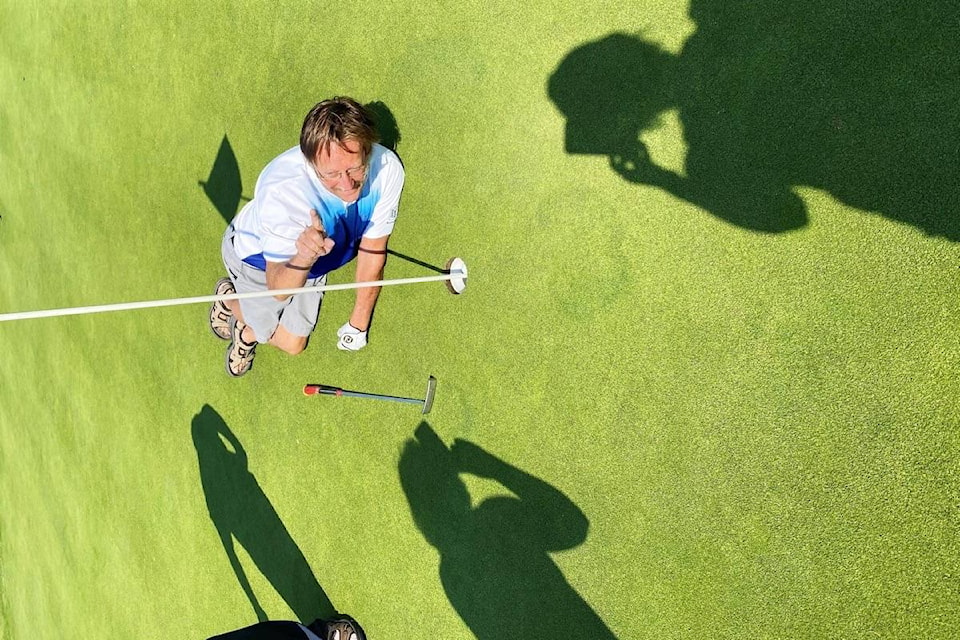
(351, 338)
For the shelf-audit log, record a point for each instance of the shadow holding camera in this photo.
(495, 563)
(856, 99)
(243, 515)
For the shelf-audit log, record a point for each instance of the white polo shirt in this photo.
(268, 226)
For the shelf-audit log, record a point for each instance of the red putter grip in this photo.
(321, 389)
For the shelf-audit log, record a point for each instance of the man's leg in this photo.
(300, 316)
(219, 311)
(237, 312)
(284, 324)
(286, 341)
(262, 315)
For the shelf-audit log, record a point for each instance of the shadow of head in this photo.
(610, 90)
(214, 440)
(386, 124)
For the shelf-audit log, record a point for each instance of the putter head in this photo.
(458, 268)
(431, 392)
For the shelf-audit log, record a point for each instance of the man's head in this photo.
(336, 138)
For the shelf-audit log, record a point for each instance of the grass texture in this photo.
(716, 400)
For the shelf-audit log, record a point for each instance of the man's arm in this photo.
(281, 276)
(370, 262)
(311, 244)
(547, 517)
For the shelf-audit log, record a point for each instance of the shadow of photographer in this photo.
(856, 99)
(495, 563)
(243, 515)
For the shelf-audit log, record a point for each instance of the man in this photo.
(341, 627)
(315, 208)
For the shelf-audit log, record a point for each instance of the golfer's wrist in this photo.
(299, 264)
(359, 326)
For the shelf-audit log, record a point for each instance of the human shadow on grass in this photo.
(495, 563)
(857, 99)
(243, 515)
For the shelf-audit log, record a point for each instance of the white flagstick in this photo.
(457, 278)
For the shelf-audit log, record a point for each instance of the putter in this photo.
(455, 279)
(327, 390)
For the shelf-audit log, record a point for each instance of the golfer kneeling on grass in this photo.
(315, 208)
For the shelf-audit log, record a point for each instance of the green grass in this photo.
(761, 429)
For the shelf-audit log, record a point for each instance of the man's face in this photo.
(342, 169)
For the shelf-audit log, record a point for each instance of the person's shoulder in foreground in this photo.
(341, 627)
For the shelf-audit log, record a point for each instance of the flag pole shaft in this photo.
(150, 304)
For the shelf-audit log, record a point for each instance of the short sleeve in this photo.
(282, 221)
(385, 211)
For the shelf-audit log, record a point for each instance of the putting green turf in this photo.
(761, 428)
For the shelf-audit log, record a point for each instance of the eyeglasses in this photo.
(354, 173)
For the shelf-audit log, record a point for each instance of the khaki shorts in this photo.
(297, 314)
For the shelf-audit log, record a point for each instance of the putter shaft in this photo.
(320, 389)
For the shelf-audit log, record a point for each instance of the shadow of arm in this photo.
(230, 437)
(747, 199)
(546, 514)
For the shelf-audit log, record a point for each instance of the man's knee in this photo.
(296, 348)
(289, 343)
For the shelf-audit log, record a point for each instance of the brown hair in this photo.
(337, 120)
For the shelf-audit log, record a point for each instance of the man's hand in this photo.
(351, 338)
(312, 243)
